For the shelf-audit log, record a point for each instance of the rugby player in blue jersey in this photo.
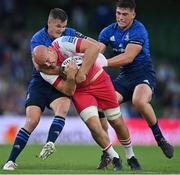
(137, 80)
(41, 94)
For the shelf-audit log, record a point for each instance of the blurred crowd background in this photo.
(20, 19)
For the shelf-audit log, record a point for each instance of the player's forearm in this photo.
(67, 87)
(119, 60)
(90, 56)
(131, 51)
(92, 40)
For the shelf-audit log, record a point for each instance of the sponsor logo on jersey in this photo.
(70, 39)
(120, 49)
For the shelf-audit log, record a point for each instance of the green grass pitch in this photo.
(83, 159)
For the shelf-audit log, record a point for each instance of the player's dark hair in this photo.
(58, 13)
(126, 4)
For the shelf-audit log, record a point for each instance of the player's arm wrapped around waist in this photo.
(67, 85)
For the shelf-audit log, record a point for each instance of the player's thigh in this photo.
(119, 97)
(104, 92)
(60, 106)
(36, 102)
(142, 94)
(83, 100)
(36, 96)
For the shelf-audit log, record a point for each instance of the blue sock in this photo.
(56, 128)
(19, 144)
(156, 132)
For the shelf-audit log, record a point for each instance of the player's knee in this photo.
(117, 123)
(61, 111)
(61, 106)
(31, 124)
(119, 97)
(112, 114)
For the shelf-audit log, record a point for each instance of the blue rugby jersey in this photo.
(118, 39)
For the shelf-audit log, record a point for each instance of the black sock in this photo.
(156, 132)
(56, 128)
(19, 144)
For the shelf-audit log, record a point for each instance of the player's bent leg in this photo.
(60, 106)
(101, 137)
(33, 115)
(105, 159)
(91, 119)
(116, 121)
(141, 98)
(122, 132)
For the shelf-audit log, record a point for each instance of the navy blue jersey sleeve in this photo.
(80, 35)
(104, 36)
(35, 42)
(73, 32)
(138, 36)
(41, 38)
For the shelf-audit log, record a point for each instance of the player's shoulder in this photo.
(139, 26)
(69, 31)
(65, 43)
(109, 30)
(111, 27)
(42, 33)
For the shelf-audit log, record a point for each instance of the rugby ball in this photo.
(78, 60)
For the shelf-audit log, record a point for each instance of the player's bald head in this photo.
(39, 54)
